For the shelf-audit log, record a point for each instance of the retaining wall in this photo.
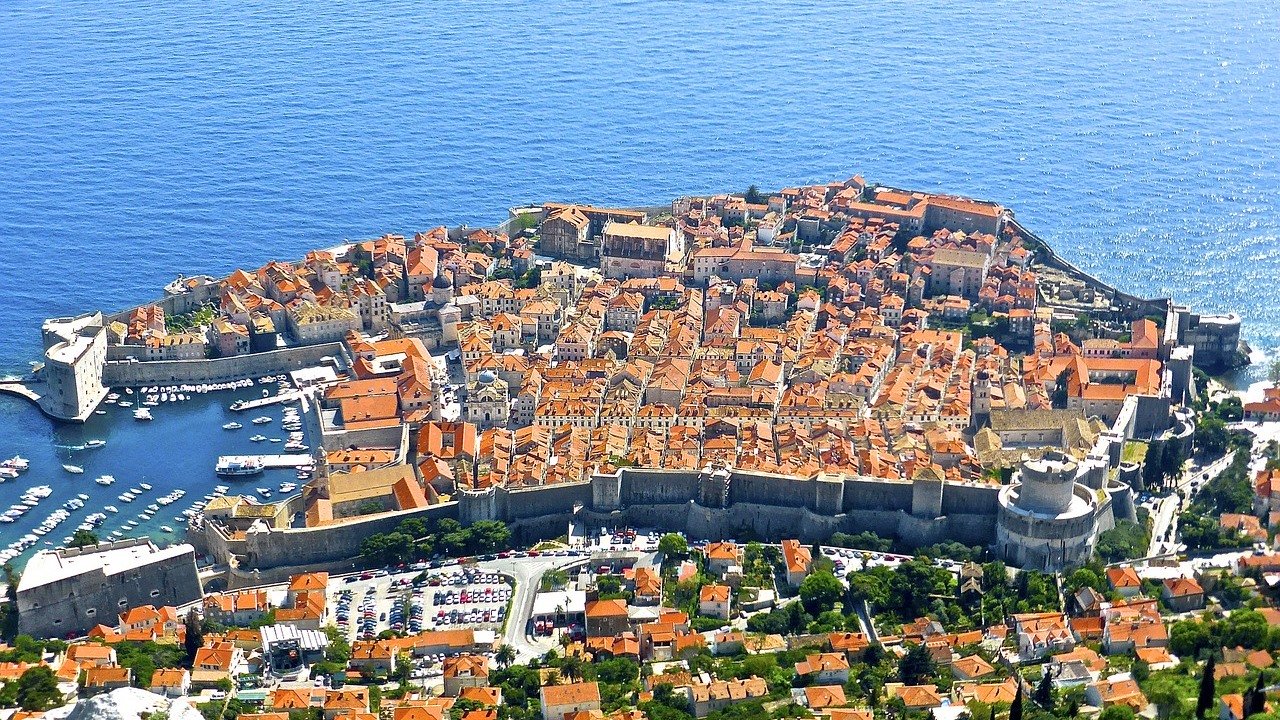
(133, 374)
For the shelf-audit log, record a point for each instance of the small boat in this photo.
(144, 486)
(17, 462)
(232, 426)
(264, 492)
(95, 443)
(275, 440)
(125, 404)
(142, 414)
(166, 528)
(105, 480)
(99, 412)
(82, 496)
(7, 474)
(257, 438)
(111, 509)
(261, 420)
(73, 469)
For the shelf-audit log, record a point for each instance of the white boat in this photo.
(234, 466)
(125, 498)
(95, 443)
(261, 420)
(257, 438)
(232, 426)
(7, 474)
(99, 412)
(275, 440)
(142, 414)
(144, 486)
(264, 492)
(17, 462)
(105, 480)
(166, 528)
(125, 404)
(111, 509)
(82, 496)
(113, 396)
(73, 469)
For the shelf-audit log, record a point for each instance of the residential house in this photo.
(798, 560)
(465, 671)
(171, 682)
(824, 668)
(561, 701)
(1182, 594)
(714, 600)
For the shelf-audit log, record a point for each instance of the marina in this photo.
(135, 456)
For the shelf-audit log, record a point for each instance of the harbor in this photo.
(117, 476)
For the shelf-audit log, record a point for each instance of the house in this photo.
(91, 654)
(163, 621)
(606, 618)
(798, 560)
(1182, 594)
(1124, 580)
(972, 667)
(216, 661)
(850, 643)
(561, 701)
(486, 695)
(821, 697)
(986, 693)
(1158, 658)
(465, 671)
(170, 682)
(824, 668)
(709, 697)
(648, 586)
(722, 557)
(105, 679)
(713, 601)
(240, 608)
(915, 697)
(1125, 636)
(377, 655)
(1116, 690)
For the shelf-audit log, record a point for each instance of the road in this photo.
(1164, 518)
(527, 573)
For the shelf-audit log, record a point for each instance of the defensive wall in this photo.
(116, 373)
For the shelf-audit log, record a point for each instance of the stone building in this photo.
(75, 349)
(629, 250)
(71, 590)
(1047, 520)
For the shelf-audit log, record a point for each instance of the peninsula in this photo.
(561, 428)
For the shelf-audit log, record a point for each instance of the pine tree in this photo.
(1205, 702)
(194, 639)
(1015, 710)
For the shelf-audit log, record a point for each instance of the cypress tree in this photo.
(1044, 691)
(1204, 702)
(1255, 700)
(1015, 710)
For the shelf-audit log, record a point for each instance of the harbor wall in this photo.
(164, 372)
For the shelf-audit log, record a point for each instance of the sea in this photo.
(140, 139)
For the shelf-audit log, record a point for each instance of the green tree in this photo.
(1211, 435)
(82, 538)
(1204, 701)
(1117, 712)
(1044, 691)
(38, 689)
(917, 666)
(673, 545)
(1152, 472)
(820, 591)
(753, 196)
(1015, 710)
(194, 637)
(505, 656)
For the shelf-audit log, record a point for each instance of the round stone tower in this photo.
(1047, 484)
(442, 290)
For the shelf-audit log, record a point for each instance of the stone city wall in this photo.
(160, 372)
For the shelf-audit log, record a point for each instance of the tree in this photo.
(820, 591)
(1273, 372)
(917, 666)
(571, 667)
(194, 639)
(1044, 691)
(753, 196)
(673, 545)
(38, 689)
(1059, 397)
(1255, 699)
(1015, 710)
(82, 538)
(1152, 474)
(1117, 712)
(1172, 458)
(1204, 702)
(505, 656)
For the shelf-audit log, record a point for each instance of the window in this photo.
(155, 593)
(123, 602)
(57, 621)
(91, 612)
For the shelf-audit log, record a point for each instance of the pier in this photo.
(293, 460)
(284, 397)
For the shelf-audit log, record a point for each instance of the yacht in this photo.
(276, 440)
(257, 438)
(142, 414)
(7, 474)
(125, 404)
(166, 528)
(264, 492)
(261, 420)
(95, 443)
(82, 496)
(125, 498)
(111, 509)
(232, 426)
(73, 469)
(105, 480)
(233, 466)
(144, 486)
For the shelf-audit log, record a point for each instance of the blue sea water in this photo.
(141, 139)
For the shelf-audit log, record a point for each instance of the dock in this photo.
(284, 397)
(292, 460)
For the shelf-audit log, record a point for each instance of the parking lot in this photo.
(412, 602)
